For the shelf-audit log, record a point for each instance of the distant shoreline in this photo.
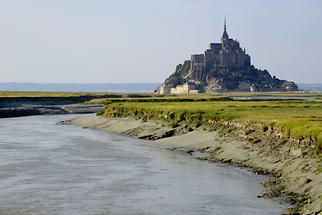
(106, 87)
(18, 104)
(47, 105)
(78, 87)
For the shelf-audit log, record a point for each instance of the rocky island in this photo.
(224, 67)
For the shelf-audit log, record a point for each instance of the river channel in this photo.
(49, 168)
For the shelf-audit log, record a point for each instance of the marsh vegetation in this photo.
(300, 119)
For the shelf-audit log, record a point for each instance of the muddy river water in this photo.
(47, 168)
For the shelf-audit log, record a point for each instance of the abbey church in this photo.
(226, 54)
(223, 67)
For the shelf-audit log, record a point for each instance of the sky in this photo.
(129, 41)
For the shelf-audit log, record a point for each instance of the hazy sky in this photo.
(143, 40)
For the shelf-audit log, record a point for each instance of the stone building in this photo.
(223, 67)
(186, 88)
(227, 54)
(164, 89)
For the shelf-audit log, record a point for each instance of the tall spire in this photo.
(225, 36)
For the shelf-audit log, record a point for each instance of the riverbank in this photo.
(17, 104)
(30, 110)
(266, 150)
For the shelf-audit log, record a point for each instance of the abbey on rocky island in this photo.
(223, 67)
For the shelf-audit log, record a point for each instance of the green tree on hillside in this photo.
(182, 70)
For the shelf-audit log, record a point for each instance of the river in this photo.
(48, 168)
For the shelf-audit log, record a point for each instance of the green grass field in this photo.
(300, 119)
(205, 97)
